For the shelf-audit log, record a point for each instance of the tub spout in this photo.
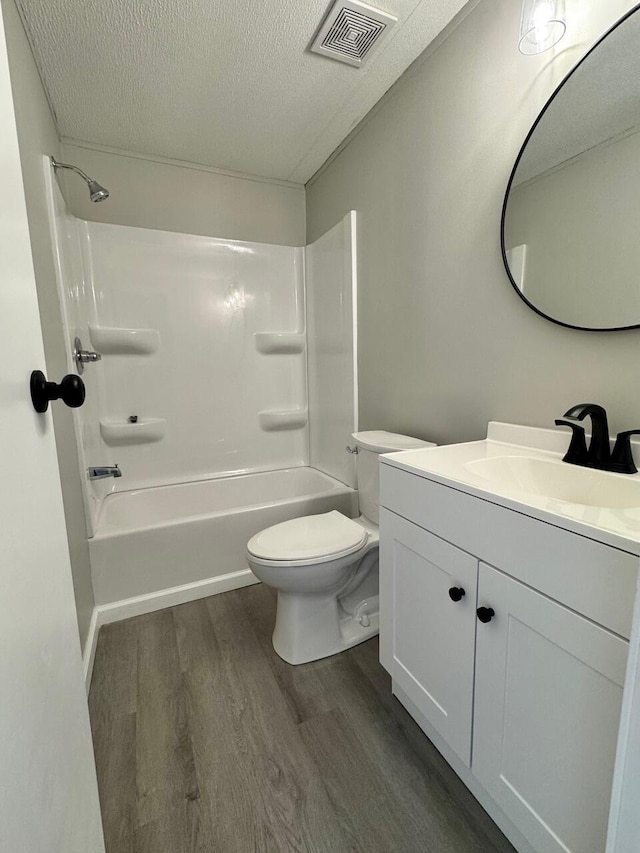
(105, 471)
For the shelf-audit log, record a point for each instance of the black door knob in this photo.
(70, 391)
(485, 614)
(456, 593)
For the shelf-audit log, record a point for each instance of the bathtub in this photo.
(169, 544)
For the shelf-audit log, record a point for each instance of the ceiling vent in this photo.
(351, 30)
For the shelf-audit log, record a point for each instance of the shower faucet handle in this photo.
(83, 356)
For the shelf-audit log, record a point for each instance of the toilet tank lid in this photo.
(381, 441)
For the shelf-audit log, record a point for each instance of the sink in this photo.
(521, 468)
(551, 478)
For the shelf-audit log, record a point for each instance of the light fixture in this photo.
(543, 24)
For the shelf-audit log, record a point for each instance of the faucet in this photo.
(599, 453)
(99, 473)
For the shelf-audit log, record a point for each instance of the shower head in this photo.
(96, 192)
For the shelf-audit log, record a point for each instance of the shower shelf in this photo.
(113, 340)
(272, 343)
(143, 431)
(272, 420)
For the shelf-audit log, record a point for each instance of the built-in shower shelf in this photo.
(144, 431)
(115, 340)
(273, 420)
(272, 343)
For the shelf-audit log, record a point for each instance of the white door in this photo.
(427, 632)
(48, 791)
(547, 710)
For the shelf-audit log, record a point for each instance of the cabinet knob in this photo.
(456, 593)
(485, 614)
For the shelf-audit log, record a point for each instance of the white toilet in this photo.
(325, 567)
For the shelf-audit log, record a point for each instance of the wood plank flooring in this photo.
(206, 741)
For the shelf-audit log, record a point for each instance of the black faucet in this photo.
(599, 453)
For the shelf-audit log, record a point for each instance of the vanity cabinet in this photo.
(548, 694)
(525, 706)
(434, 635)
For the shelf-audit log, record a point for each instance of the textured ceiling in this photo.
(600, 101)
(226, 83)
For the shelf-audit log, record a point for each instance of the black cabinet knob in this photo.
(456, 593)
(485, 614)
(70, 391)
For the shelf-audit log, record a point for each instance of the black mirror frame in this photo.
(565, 80)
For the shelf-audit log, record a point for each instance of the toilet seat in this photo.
(309, 540)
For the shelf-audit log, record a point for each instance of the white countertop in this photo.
(456, 466)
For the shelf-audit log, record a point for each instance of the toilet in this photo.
(325, 567)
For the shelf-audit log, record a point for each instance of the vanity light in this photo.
(543, 24)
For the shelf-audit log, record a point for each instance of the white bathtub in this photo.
(188, 540)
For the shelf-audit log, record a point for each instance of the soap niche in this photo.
(117, 340)
(139, 431)
(279, 343)
(275, 420)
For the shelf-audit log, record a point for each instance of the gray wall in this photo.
(37, 136)
(153, 194)
(445, 343)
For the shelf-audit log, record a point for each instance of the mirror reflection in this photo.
(572, 211)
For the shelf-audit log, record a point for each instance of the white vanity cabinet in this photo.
(433, 636)
(548, 693)
(525, 706)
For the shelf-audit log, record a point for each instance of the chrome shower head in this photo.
(96, 192)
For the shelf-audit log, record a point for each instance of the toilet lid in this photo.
(308, 538)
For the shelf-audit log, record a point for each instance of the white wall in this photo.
(208, 379)
(170, 196)
(445, 342)
(331, 290)
(37, 136)
(580, 225)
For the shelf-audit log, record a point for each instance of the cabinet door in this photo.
(427, 639)
(547, 709)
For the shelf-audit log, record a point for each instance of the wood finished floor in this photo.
(206, 741)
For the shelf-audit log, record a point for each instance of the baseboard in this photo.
(89, 651)
(116, 611)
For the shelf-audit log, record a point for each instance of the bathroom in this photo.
(409, 158)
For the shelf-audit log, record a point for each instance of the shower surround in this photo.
(225, 410)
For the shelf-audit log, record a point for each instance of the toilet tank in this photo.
(371, 444)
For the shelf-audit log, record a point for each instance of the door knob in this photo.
(456, 593)
(70, 391)
(485, 614)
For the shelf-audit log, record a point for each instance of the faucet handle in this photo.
(622, 456)
(577, 453)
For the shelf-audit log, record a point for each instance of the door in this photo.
(427, 626)
(547, 710)
(48, 791)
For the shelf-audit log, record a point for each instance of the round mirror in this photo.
(571, 215)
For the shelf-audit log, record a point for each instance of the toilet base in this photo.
(310, 627)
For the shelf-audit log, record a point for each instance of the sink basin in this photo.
(521, 468)
(550, 478)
